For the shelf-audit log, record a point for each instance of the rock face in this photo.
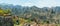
(26, 24)
(6, 21)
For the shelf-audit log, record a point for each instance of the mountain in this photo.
(33, 11)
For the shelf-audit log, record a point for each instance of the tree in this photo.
(1, 11)
(7, 11)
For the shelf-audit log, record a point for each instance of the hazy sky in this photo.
(38, 3)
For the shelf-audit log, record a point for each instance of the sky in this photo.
(38, 3)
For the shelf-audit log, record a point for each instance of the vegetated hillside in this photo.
(34, 12)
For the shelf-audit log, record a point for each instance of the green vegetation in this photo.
(29, 15)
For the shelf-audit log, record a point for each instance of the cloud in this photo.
(47, 3)
(38, 3)
(27, 4)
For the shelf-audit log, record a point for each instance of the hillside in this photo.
(33, 13)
